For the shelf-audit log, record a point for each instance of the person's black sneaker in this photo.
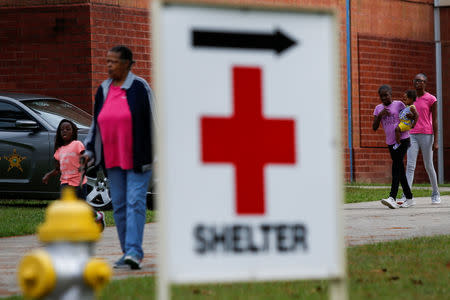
(120, 264)
(133, 262)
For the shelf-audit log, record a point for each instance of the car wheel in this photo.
(98, 195)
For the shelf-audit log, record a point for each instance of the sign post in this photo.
(249, 145)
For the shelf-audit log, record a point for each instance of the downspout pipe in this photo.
(437, 41)
(349, 87)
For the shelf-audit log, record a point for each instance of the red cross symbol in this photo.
(248, 140)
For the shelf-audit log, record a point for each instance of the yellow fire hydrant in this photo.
(64, 268)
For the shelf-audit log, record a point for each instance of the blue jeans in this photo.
(129, 201)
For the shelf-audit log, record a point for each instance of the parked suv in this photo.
(27, 133)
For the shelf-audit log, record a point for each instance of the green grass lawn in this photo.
(19, 217)
(13, 212)
(388, 185)
(416, 268)
(360, 194)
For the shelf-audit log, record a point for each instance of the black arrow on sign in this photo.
(276, 41)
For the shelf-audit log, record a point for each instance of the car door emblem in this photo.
(14, 160)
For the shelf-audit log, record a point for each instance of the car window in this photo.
(53, 111)
(9, 114)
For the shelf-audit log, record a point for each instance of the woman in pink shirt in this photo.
(424, 136)
(120, 139)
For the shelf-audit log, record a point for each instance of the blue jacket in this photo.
(140, 100)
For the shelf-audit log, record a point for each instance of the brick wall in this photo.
(388, 61)
(61, 50)
(45, 50)
(394, 62)
(58, 47)
(445, 44)
(390, 20)
(114, 25)
(389, 24)
(121, 3)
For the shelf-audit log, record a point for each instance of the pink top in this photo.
(391, 121)
(116, 126)
(423, 106)
(69, 163)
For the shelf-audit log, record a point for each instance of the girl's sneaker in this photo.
(100, 220)
(408, 203)
(436, 199)
(390, 202)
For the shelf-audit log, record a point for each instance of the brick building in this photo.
(58, 47)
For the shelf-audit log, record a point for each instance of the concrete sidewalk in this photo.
(366, 222)
(371, 222)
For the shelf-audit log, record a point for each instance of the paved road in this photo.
(366, 222)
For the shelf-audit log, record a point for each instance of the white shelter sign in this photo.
(249, 144)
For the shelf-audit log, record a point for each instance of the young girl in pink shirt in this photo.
(387, 114)
(68, 151)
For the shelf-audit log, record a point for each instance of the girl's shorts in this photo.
(81, 192)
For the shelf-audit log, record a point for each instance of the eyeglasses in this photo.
(419, 80)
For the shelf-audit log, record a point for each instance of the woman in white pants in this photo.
(424, 136)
